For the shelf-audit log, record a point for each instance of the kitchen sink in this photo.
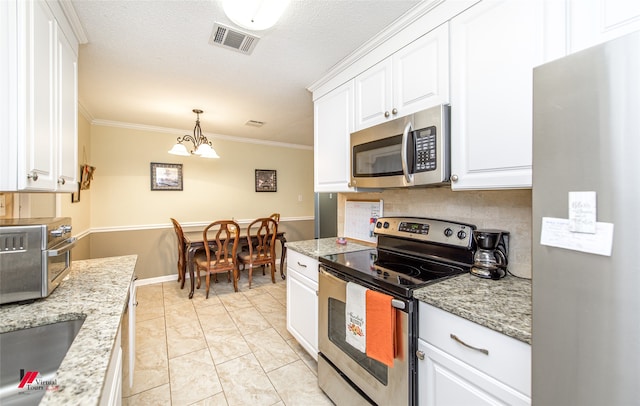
(29, 352)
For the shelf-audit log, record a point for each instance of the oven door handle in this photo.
(398, 304)
(69, 243)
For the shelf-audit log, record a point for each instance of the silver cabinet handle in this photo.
(61, 181)
(420, 355)
(33, 176)
(386, 114)
(454, 178)
(302, 265)
(394, 111)
(482, 350)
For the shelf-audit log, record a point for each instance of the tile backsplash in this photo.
(508, 210)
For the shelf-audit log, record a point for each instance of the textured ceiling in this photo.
(150, 63)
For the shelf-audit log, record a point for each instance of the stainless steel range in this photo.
(411, 253)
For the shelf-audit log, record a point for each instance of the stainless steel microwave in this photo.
(407, 151)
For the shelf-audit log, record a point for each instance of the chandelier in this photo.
(201, 145)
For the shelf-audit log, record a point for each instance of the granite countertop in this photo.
(503, 305)
(96, 289)
(325, 246)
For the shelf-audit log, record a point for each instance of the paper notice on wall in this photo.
(556, 233)
(360, 219)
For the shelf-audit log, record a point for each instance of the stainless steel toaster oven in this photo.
(35, 255)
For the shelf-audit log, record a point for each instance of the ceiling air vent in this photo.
(254, 123)
(230, 38)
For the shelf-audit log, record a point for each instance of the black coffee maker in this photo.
(492, 251)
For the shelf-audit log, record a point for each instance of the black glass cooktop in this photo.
(389, 270)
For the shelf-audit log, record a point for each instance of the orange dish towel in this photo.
(381, 327)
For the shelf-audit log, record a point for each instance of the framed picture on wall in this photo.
(166, 176)
(266, 180)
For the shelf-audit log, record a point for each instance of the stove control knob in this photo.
(378, 224)
(448, 232)
(462, 234)
(386, 224)
(385, 274)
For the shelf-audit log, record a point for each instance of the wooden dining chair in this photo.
(276, 217)
(182, 259)
(221, 251)
(261, 239)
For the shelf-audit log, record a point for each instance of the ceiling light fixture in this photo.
(201, 145)
(255, 15)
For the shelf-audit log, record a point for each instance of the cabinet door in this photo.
(8, 78)
(67, 117)
(421, 72)
(333, 122)
(302, 311)
(414, 78)
(494, 47)
(373, 97)
(592, 22)
(444, 380)
(36, 166)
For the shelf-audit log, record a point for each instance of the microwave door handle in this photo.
(403, 154)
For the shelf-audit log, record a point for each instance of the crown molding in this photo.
(389, 32)
(74, 21)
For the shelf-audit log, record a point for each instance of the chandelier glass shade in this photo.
(255, 15)
(201, 145)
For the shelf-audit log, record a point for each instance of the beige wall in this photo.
(507, 210)
(213, 188)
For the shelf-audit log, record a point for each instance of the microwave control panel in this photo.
(425, 141)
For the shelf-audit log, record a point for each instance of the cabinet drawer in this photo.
(508, 360)
(303, 264)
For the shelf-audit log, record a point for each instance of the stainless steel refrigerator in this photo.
(586, 246)
(326, 215)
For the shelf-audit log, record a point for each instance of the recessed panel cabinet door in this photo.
(592, 22)
(67, 116)
(36, 171)
(444, 380)
(333, 123)
(494, 46)
(302, 311)
(421, 72)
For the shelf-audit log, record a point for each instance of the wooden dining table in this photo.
(194, 241)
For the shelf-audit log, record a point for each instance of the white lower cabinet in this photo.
(302, 301)
(464, 363)
(112, 390)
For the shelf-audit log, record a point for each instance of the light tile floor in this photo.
(231, 349)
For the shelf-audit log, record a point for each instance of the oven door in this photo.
(58, 264)
(380, 384)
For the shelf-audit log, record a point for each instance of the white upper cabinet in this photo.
(333, 124)
(412, 79)
(41, 106)
(595, 21)
(494, 46)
